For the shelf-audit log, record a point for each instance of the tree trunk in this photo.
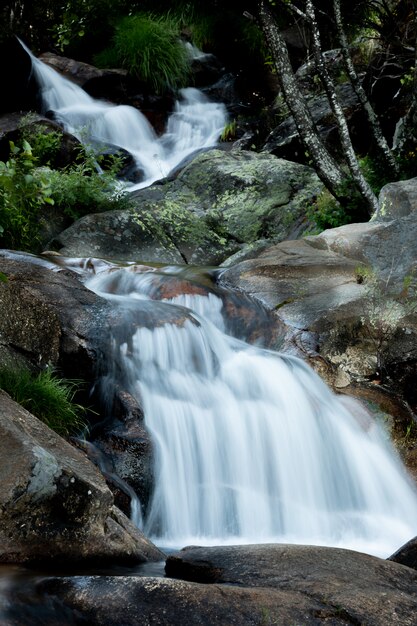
(330, 89)
(379, 138)
(405, 141)
(325, 165)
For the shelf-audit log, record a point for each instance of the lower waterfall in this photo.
(251, 445)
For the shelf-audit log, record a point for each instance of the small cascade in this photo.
(251, 445)
(195, 124)
(98, 458)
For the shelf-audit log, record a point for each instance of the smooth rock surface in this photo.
(239, 586)
(54, 504)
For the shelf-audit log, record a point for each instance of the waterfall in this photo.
(251, 445)
(196, 123)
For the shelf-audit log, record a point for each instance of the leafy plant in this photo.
(24, 189)
(374, 172)
(84, 188)
(48, 397)
(45, 143)
(327, 212)
(149, 47)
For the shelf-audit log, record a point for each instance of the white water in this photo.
(251, 445)
(195, 124)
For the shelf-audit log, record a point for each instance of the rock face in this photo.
(54, 504)
(49, 317)
(347, 297)
(80, 73)
(237, 586)
(115, 235)
(219, 202)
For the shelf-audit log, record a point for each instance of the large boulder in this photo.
(116, 235)
(237, 586)
(49, 317)
(396, 200)
(54, 504)
(347, 298)
(218, 203)
(83, 74)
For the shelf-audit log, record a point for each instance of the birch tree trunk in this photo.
(375, 127)
(330, 89)
(327, 168)
(406, 139)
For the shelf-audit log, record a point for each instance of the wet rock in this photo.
(54, 504)
(239, 585)
(128, 447)
(49, 317)
(83, 74)
(407, 554)
(316, 288)
(117, 235)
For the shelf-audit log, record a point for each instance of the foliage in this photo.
(374, 172)
(327, 212)
(149, 47)
(229, 131)
(45, 143)
(85, 188)
(48, 397)
(24, 189)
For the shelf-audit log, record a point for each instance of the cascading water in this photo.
(251, 445)
(196, 123)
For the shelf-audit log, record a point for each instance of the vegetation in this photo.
(150, 48)
(24, 190)
(49, 398)
(28, 185)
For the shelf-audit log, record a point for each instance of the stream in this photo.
(251, 446)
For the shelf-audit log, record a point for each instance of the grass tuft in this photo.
(47, 397)
(149, 47)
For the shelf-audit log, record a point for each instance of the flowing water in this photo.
(251, 445)
(195, 124)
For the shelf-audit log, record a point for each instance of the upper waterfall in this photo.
(195, 123)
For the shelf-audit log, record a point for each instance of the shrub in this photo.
(24, 189)
(149, 47)
(47, 397)
(45, 143)
(83, 188)
(327, 212)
